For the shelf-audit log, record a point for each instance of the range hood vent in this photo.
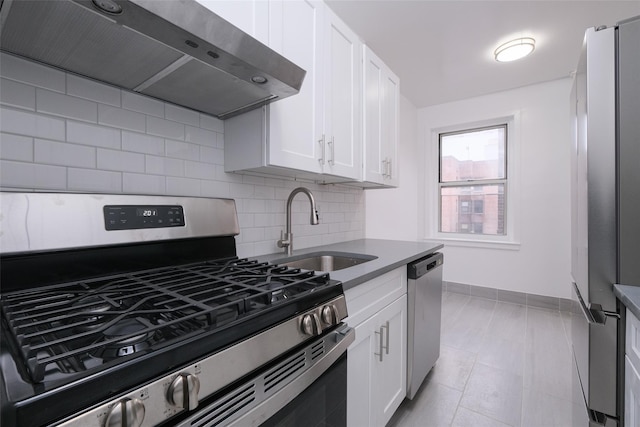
(174, 50)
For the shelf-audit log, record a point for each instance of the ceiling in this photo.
(443, 50)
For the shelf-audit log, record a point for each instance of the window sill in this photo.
(483, 244)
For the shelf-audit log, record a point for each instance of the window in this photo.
(473, 181)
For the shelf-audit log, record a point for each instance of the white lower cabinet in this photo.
(631, 369)
(377, 359)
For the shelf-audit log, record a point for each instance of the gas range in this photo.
(147, 316)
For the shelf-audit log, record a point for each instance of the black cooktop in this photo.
(82, 326)
(65, 344)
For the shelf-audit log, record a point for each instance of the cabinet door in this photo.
(381, 114)
(251, 16)
(377, 369)
(360, 365)
(390, 126)
(342, 101)
(631, 395)
(389, 382)
(374, 166)
(295, 123)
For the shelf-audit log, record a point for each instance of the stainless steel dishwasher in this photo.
(424, 309)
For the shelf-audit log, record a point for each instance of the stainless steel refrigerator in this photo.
(605, 214)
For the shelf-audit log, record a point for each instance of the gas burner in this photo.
(128, 345)
(89, 318)
(278, 291)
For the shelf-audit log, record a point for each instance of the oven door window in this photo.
(324, 402)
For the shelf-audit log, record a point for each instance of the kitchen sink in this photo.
(325, 261)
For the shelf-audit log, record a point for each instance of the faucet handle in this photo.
(285, 239)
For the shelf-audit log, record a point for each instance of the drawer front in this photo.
(632, 345)
(366, 299)
(631, 395)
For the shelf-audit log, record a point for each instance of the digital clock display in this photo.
(147, 212)
(134, 217)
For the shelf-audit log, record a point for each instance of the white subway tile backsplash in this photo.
(31, 124)
(182, 115)
(215, 189)
(123, 119)
(253, 205)
(142, 104)
(199, 170)
(141, 143)
(242, 190)
(212, 155)
(32, 175)
(58, 104)
(183, 186)
(31, 72)
(124, 161)
(98, 136)
(157, 165)
(16, 147)
(94, 180)
(92, 90)
(268, 220)
(182, 150)
(165, 128)
(63, 154)
(211, 123)
(264, 192)
(201, 136)
(16, 94)
(134, 183)
(252, 234)
(149, 147)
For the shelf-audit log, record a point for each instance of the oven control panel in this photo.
(132, 217)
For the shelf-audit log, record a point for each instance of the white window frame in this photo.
(431, 208)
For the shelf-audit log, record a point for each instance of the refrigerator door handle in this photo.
(594, 314)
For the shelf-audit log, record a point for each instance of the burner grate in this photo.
(73, 327)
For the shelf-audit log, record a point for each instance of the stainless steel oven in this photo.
(121, 310)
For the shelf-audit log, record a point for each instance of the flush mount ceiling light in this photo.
(515, 49)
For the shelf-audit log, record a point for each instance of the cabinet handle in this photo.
(382, 340)
(386, 347)
(333, 151)
(321, 142)
(390, 166)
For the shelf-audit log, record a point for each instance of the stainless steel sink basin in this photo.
(325, 261)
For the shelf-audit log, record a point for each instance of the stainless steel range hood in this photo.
(174, 50)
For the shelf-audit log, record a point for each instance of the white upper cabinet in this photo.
(342, 99)
(295, 123)
(380, 124)
(251, 16)
(315, 134)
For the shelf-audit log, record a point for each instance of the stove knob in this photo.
(126, 413)
(311, 324)
(330, 315)
(183, 391)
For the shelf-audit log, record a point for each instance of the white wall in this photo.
(61, 132)
(541, 263)
(392, 213)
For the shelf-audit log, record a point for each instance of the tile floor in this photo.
(500, 364)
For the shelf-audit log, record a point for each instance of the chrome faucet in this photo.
(286, 238)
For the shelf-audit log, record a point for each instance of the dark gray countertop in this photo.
(630, 297)
(391, 254)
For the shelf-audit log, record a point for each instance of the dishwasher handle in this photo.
(419, 268)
